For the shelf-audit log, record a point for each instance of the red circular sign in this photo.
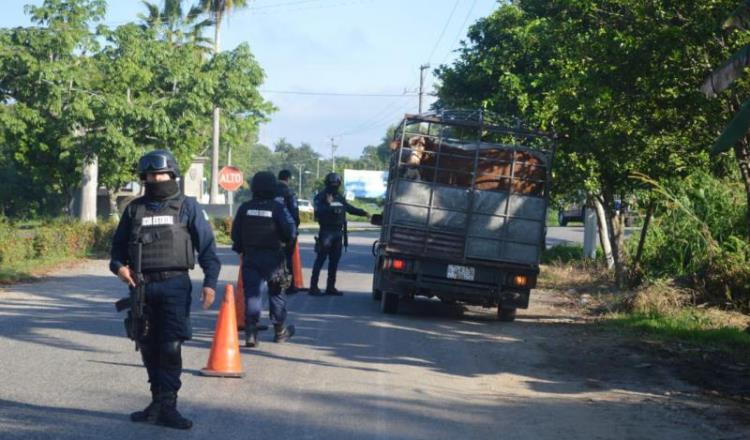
(230, 178)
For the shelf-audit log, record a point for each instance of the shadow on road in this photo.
(553, 360)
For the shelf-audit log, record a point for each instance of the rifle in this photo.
(136, 322)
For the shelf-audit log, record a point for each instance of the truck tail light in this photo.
(526, 281)
(398, 264)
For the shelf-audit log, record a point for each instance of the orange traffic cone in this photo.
(240, 300)
(297, 268)
(224, 360)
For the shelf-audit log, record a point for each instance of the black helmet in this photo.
(158, 161)
(333, 180)
(263, 185)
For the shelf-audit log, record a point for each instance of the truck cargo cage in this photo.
(468, 185)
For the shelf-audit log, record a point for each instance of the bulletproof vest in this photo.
(258, 229)
(336, 216)
(166, 242)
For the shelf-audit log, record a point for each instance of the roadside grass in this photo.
(29, 270)
(693, 326)
(661, 310)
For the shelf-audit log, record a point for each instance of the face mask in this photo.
(332, 189)
(161, 190)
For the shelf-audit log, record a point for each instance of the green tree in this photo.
(218, 10)
(175, 25)
(614, 78)
(45, 87)
(735, 136)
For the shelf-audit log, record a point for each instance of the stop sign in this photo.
(230, 178)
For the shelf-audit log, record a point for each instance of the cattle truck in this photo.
(465, 211)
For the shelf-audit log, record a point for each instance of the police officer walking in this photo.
(260, 229)
(330, 211)
(286, 196)
(168, 228)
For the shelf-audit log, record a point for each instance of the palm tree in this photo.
(217, 10)
(178, 28)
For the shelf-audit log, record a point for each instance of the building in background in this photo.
(365, 184)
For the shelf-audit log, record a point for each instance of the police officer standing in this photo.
(169, 228)
(286, 196)
(260, 229)
(330, 212)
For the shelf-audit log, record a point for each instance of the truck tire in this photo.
(376, 292)
(561, 220)
(506, 315)
(389, 303)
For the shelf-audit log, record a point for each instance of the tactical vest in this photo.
(258, 229)
(166, 242)
(335, 216)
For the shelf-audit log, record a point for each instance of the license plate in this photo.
(460, 272)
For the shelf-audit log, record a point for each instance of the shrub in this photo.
(306, 217)
(697, 234)
(55, 239)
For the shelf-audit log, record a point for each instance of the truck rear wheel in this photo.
(376, 292)
(389, 303)
(506, 314)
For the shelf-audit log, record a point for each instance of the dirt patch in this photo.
(602, 356)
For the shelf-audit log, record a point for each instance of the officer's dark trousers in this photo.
(255, 280)
(330, 247)
(168, 303)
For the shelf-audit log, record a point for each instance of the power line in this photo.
(314, 93)
(460, 31)
(442, 32)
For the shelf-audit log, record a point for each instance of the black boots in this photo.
(334, 291)
(168, 414)
(162, 411)
(150, 413)
(251, 336)
(282, 333)
(314, 291)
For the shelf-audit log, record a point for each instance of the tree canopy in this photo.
(73, 89)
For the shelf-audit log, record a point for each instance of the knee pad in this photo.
(149, 354)
(170, 355)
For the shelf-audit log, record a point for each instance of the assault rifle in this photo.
(136, 322)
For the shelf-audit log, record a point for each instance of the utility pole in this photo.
(333, 156)
(422, 68)
(317, 172)
(299, 167)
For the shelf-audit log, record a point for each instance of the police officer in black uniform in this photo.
(260, 229)
(171, 227)
(286, 196)
(330, 212)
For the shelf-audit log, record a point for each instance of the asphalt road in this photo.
(432, 372)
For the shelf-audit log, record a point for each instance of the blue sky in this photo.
(332, 46)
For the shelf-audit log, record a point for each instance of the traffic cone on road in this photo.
(224, 360)
(297, 268)
(239, 305)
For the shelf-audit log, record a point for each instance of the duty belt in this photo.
(155, 277)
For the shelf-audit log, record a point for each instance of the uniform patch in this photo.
(336, 204)
(158, 220)
(259, 213)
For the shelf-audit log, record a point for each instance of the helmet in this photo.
(158, 161)
(263, 185)
(333, 180)
(284, 175)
